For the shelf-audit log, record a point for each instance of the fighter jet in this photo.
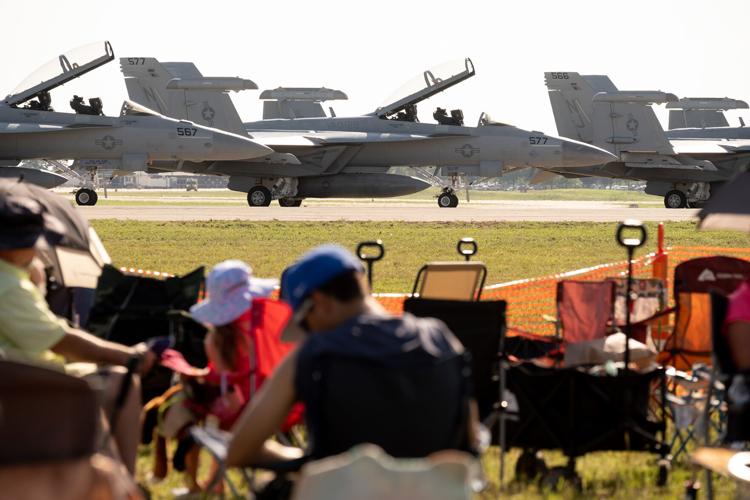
(31, 129)
(684, 165)
(350, 157)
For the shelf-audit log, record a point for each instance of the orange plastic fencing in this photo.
(530, 300)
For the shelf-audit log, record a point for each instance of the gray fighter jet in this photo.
(350, 157)
(684, 164)
(31, 129)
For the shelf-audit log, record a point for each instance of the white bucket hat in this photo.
(230, 287)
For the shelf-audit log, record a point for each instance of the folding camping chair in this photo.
(480, 326)
(688, 347)
(649, 300)
(50, 433)
(401, 399)
(129, 309)
(585, 310)
(690, 340)
(268, 318)
(450, 281)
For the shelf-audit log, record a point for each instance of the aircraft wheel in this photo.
(290, 202)
(675, 199)
(445, 200)
(259, 196)
(86, 197)
(454, 201)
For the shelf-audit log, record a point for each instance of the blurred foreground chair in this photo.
(366, 472)
(50, 433)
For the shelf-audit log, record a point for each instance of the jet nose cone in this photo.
(580, 154)
(228, 146)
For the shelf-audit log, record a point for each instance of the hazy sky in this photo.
(368, 49)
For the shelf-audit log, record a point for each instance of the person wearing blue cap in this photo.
(334, 314)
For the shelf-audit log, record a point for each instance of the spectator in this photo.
(737, 326)
(333, 314)
(221, 390)
(30, 332)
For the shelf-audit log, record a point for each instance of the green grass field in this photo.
(511, 251)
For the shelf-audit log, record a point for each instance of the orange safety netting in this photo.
(529, 300)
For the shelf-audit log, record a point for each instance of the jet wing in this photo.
(37, 128)
(699, 146)
(279, 139)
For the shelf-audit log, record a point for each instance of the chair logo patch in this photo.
(707, 275)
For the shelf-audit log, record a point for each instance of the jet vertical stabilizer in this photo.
(178, 90)
(571, 97)
(626, 122)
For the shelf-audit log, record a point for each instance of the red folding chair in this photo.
(585, 310)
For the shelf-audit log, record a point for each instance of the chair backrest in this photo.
(694, 279)
(130, 309)
(650, 298)
(410, 409)
(585, 309)
(722, 356)
(367, 473)
(450, 280)
(480, 326)
(45, 415)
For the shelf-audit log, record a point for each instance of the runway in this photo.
(422, 211)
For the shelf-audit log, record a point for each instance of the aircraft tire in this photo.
(445, 200)
(454, 201)
(86, 197)
(675, 199)
(290, 202)
(259, 196)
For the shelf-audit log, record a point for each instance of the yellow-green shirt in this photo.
(28, 329)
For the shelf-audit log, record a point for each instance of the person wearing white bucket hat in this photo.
(230, 287)
(220, 390)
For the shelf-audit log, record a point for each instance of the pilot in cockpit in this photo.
(409, 114)
(95, 106)
(43, 102)
(456, 117)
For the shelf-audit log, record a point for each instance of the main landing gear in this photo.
(259, 196)
(675, 199)
(86, 197)
(448, 198)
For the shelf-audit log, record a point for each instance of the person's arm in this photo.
(78, 345)
(738, 338)
(262, 418)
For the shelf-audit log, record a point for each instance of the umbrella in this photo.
(729, 208)
(76, 261)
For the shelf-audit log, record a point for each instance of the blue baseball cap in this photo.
(314, 269)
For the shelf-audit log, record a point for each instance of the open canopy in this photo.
(60, 70)
(427, 84)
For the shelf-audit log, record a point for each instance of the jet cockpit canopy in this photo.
(60, 70)
(402, 104)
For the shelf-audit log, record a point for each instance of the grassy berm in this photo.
(511, 251)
